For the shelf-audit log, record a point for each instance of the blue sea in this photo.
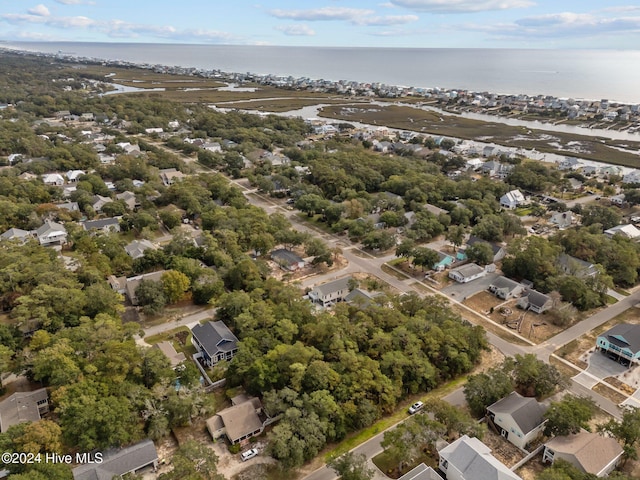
(579, 74)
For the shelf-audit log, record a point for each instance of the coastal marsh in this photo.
(616, 152)
(266, 98)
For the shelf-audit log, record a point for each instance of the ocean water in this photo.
(579, 74)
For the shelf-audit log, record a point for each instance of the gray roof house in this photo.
(98, 201)
(621, 342)
(589, 452)
(361, 298)
(169, 176)
(214, 342)
(331, 292)
(16, 234)
(469, 459)
(69, 206)
(129, 198)
(117, 463)
(239, 422)
(102, 225)
(576, 267)
(518, 419)
(136, 248)
(562, 219)
(287, 259)
(421, 472)
(505, 288)
(23, 407)
(535, 301)
(467, 273)
(51, 233)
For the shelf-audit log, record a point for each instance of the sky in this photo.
(335, 23)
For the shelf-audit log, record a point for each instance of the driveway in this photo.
(460, 291)
(600, 367)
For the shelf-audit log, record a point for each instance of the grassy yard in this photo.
(180, 337)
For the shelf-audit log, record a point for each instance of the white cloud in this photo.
(386, 20)
(118, 28)
(76, 2)
(461, 6)
(562, 25)
(319, 14)
(352, 15)
(39, 10)
(625, 8)
(296, 30)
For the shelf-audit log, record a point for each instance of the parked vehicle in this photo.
(416, 407)
(249, 454)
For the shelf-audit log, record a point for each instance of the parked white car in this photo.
(416, 407)
(249, 454)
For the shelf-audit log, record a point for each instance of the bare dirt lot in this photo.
(502, 449)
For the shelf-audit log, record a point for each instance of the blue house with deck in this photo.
(621, 343)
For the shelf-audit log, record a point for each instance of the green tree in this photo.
(563, 470)
(174, 285)
(351, 466)
(404, 442)
(90, 419)
(480, 253)
(379, 240)
(569, 415)
(151, 296)
(311, 204)
(607, 217)
(193, 461)
(455, 235)
(405, 249)
(484, 389)
(626, 431)
(425, 257)
(533, 377)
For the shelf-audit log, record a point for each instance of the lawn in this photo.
(180, 337)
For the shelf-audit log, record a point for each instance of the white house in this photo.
(512, 199)
(331, 292)
(562, 219)
(53, 179)
(518, 419)
(467, 273)
(51, 233)
(629, 231)
(617, 200)
(570, 163)
(632, 177)
(535, 301)
(74, 175)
